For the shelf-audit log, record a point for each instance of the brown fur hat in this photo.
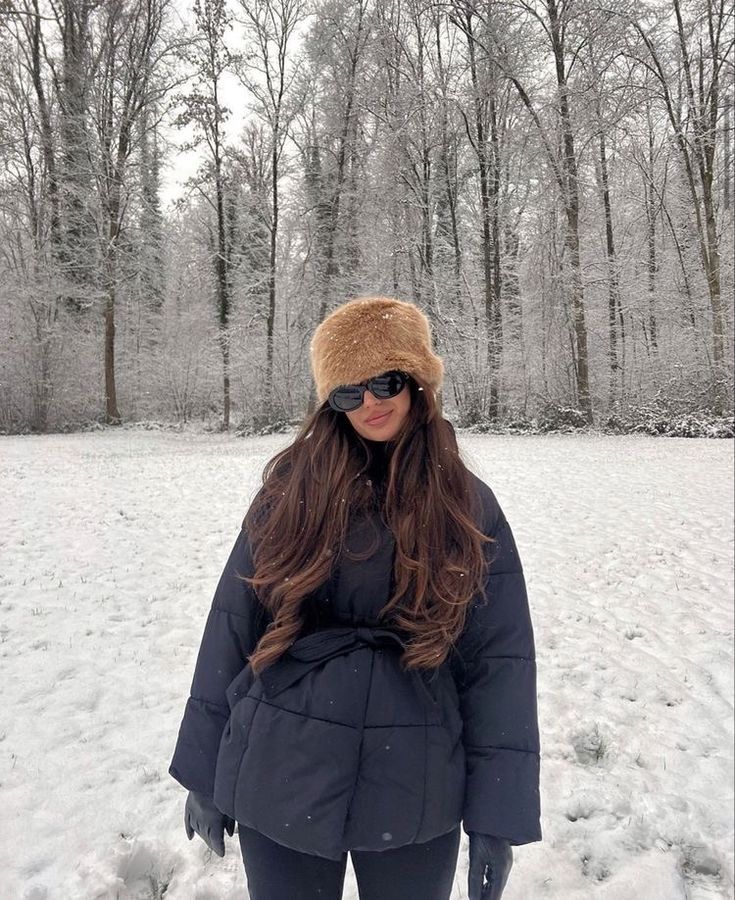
(371, 335)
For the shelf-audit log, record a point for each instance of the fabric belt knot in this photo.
(311, 650)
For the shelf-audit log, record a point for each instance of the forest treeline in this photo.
(550, 180)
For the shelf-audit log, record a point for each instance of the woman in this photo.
(366, 679)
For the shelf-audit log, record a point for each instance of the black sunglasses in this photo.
(347, 397)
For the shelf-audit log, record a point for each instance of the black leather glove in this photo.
(491, 858)
(203, 817)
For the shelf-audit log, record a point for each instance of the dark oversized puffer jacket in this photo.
(334, 747)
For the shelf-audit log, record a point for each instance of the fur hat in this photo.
(369, 336)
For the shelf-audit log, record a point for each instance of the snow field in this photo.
(111, 546)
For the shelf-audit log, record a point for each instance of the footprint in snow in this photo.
(590, 745)
(142, 869)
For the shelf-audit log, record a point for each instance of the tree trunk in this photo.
(651, 216)
(223, 299)
(571, 208)
(224, 343)
(450, 184)
(75, 177)
(330, 267)
(704, 108)
(112, 414)
(497, 248)
(271, 319)
(33, 30)
(613, 278)
(488, 263)
(727, 154)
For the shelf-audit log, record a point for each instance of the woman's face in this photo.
(381, 420)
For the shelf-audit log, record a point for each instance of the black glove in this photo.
(493, 854)
(202, 816)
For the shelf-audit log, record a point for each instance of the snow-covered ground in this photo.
(111, 545)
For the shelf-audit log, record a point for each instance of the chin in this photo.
(387, 435)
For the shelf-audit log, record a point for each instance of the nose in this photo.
(369, 401)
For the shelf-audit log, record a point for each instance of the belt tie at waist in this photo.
(313, 649)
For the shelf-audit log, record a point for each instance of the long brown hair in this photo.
(298, 521)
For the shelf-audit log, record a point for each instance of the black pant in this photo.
(414, 872)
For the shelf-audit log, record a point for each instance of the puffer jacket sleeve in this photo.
(233, 627)
(496, 680)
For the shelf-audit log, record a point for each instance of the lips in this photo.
(378, 420)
